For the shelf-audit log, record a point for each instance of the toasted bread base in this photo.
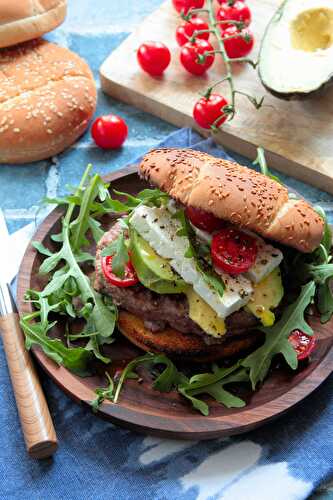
(178, 345)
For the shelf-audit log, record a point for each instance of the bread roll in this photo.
(23, 20)
(47, 97)
(178, 345)
(234, 193)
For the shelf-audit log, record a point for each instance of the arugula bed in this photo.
(89, 319)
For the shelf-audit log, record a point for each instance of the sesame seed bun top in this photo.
(47, 97)
(234, 193)
(23, 20)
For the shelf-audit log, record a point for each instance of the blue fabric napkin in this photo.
(284, 460)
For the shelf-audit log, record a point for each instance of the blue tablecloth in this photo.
(281, 461)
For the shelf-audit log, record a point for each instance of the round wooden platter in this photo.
(144, 409)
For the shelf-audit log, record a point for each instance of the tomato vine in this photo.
(214, 25)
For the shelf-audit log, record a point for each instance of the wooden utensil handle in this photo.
(37, 425)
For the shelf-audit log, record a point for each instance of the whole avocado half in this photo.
(296, 55)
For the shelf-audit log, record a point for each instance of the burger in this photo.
(195, 263)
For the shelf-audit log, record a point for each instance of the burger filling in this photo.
(186, 269)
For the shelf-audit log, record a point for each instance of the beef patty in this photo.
(161, 311)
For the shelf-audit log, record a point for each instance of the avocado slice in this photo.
(296, 56)
(153, 271)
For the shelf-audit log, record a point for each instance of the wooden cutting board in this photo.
(298, 135)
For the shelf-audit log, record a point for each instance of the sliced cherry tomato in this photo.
(186, 30)
(233, 10)
(239, 46)
(186, 5)
(109, 131)
(153, 57)
(189, 57)
(130, 278)
(207, 111)
(233, 251)
(302, 343)
(204, 220)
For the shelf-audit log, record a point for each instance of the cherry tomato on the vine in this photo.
(302, 343)
(109, 131)
(233, 10)
(239, 46)
(186, 5)
(206, 111)
(130, 278)
(186, 30)
(233, 251)
(190, 57)
(153, 57)
(204, 220)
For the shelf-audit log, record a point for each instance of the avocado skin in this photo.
(290, 96)
(299, 96)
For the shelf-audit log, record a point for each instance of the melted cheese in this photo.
(204, 316)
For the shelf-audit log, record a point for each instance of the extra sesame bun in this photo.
(177, 345)
(23, 20)
(47, 97)
(234, 193)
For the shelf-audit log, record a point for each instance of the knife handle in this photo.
(38, 430)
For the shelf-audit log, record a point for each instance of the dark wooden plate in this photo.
(143, 409)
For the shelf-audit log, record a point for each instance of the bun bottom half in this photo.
(180, 346)
(40, 152)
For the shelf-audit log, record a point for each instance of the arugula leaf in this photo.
(80, 225)
(145, 197)
(75, 359)
(69, 291)
(277, 337)
(261, 162)
(170, 376)
(95, 227)
(164, 382)
(193, 251)
(320, 273)
(325, 301)
(213, 385)
(102, 394)
(41, 248)
(118, 250)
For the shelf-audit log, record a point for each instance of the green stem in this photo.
(254, 64)
(239, 24)
(213, 23)
(191, 13)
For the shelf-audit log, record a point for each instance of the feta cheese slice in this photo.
(159, 229)
(268, 258)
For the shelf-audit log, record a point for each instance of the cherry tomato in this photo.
(203, 220)
(186, 5)
(233, 251)
(130, 278)
(189, 57)
(233, 10)
(186, 30)
(302, 343)
(239, 46)
(207, 111)
(153, 57)
(109, 131)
